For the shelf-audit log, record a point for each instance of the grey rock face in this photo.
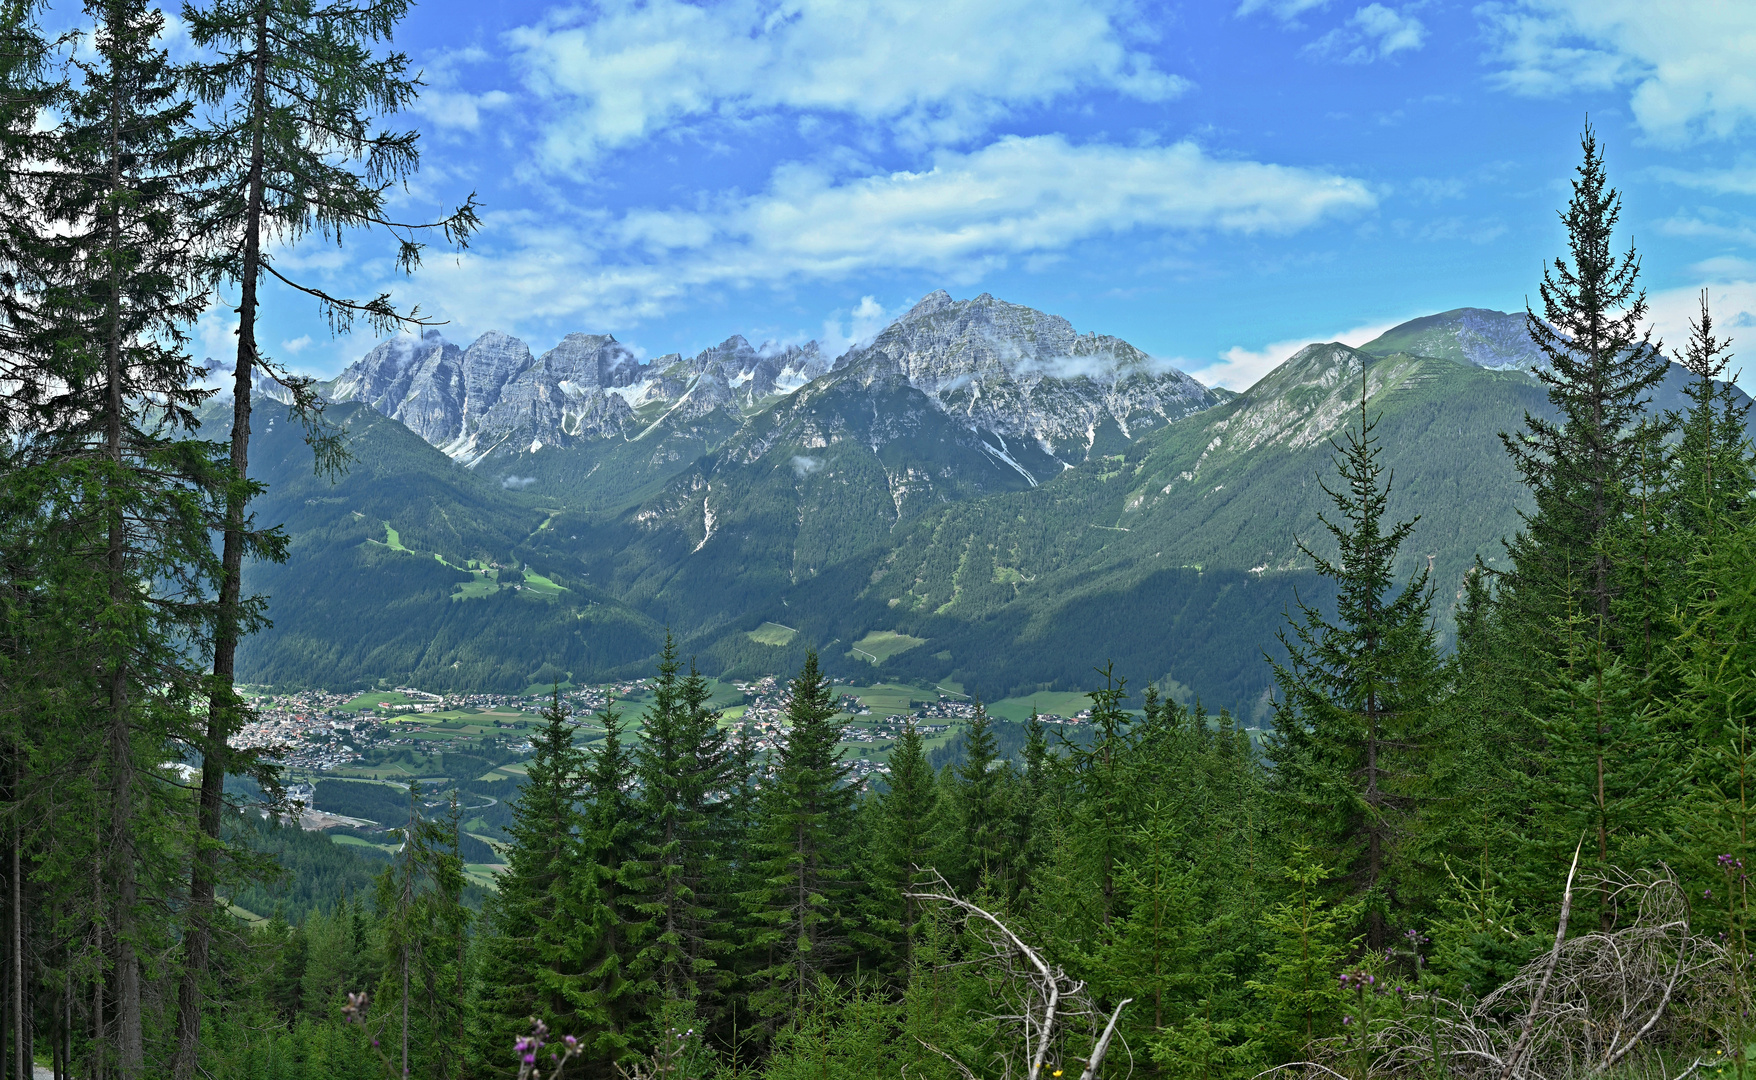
(417, 382)
(994, 367)
(1024, 374)
(1479, 336)
(469, 402)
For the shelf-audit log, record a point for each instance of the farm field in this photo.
(771, 633)
(1061, 703)
(880, 645)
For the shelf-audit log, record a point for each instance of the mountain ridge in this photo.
(883, 496)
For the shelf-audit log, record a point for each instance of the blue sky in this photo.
(1215, 182)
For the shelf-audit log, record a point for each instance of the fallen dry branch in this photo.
(1041, 1003)
(1582, 1009)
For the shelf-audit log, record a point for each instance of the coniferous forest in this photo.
(1519, 857)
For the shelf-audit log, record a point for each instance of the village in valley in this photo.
(404, 731)
(355, 764)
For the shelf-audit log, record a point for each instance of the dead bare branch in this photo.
(1536, 1001)
(1039, 1003)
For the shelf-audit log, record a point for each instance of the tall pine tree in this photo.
(1356, 692)
(802, 903)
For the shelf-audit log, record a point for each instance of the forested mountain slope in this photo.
(973, 481)
(381, 557)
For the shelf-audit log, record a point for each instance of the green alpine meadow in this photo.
(964, 696)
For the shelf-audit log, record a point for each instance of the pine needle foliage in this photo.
(1356, 692)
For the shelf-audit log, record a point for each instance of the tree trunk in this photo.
(221, 704)
(17, 960)
(130, 1043)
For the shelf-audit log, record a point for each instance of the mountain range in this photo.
(981, 495)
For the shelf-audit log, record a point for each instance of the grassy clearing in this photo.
(540, 586)
(353, 841)
(885, 699)
(1059, 702)
(485, 582)
(771, 633)
(484, 874)
(476, 588)
(880, 645)
(392, 539)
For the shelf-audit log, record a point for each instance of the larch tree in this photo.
(293, 89)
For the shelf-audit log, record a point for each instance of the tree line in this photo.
(138, 193)
(1423, 844)
(693, 902)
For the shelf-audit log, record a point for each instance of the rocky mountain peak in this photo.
(996, 367)
(1020, 372)
(494, 393)
(1479, 336)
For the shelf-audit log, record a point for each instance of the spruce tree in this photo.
(1587, 598)
(981, 810)
(1600, 367)
(684, 769)
(1102, 792)
(113, 294)
(1311, 940)
(591, 952)
(531, 894)
(1355, 692)
(906, 839)
(801, 903)
(1716, 463)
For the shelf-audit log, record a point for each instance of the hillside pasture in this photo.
(880, 645)
(772, 633)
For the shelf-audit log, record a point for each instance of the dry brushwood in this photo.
(1578, 1011)
(1040, 1004)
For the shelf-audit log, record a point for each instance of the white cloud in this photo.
(1733, 304)
(1239, 368)
(804, 465)
(297, 345)
(459, 109)
(1735, 181)
(932, 71)
(443, 102)
(862, 324)
(1724, 268)
(518, 483)
(1284, 10)
(1711, 224)
(1372, 33)
(1390, 31)
(1690, 68)
(963, 215)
